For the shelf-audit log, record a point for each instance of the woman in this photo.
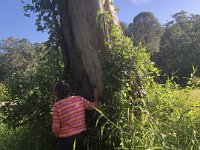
(69, 117)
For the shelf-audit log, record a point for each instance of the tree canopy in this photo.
(147, 30)
(179, 46)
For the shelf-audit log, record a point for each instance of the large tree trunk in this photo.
(83, 39)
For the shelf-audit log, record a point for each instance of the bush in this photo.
(139, 113)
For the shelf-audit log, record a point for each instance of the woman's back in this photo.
(69, 115)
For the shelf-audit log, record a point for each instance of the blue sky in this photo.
(162, 9)
(14, 23)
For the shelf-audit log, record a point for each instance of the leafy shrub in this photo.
(139, 113)
(26, 112)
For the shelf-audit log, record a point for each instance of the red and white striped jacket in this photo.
(69, 116)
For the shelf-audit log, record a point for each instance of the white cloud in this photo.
(140, 2)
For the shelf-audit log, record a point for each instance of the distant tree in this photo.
(147, 30)
(15, 56)
(179, 46)
(125, 29)
(181, 17)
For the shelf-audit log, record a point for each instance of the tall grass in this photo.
(166, 122)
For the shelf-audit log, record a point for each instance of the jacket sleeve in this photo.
(56, 120)
(89, 105)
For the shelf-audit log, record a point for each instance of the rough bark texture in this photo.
(83, 38)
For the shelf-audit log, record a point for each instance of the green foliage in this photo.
(138, 113)
(147, 30)
(47, 17)
(28, 107)
(194, 81)
(125, 29)
(179, 46)
(170, 111)
(15, 55)
(3, 93)
(20, 139)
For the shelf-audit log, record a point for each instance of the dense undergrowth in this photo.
(138, 113)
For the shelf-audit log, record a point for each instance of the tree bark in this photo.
(84, 38)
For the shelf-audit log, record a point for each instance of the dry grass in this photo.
(195, 94)
(194, 98)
